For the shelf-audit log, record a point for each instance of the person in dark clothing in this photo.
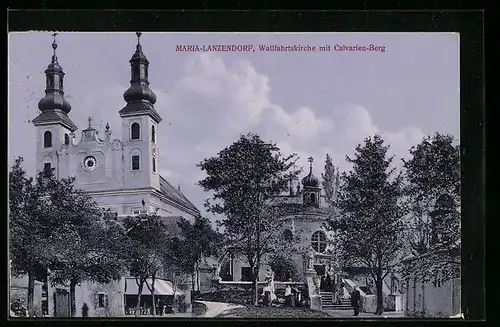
(85, 310)
(161, 305)
(355, 299)
(328, 283)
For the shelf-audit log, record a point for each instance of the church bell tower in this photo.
(311, 192)
(54, 127)
(140, 123)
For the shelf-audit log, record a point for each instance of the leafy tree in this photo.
(329, 179)
(433, 196)
(368, 231)
(56, 227)
(29, 247)
(283, 267)
(91, 249)
(149, 251)
(245, 178)
(194, 242)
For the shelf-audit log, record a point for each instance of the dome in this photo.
(310, 180)
(54, 101)
(138, 92)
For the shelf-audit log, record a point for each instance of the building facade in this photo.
(121, 173)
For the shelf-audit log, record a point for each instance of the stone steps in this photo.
(327, 302)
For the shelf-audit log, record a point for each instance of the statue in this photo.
(269, 288)
(310, 264)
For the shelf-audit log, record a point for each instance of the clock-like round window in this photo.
(89, 163)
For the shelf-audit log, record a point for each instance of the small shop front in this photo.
(167, 298)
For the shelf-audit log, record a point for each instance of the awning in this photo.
(162, 287)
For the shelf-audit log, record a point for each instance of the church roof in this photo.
(54, 117)
(175, 195)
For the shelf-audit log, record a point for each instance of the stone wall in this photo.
(429, 300)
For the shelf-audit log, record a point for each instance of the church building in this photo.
(121, 173)
(304, 230)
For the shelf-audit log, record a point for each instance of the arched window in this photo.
(135, 130)
(136, 162)
(47, 139)
(66, 139)
(153, 134)
(50, 81)
(318, 241)
(288, 235)
(154, 165)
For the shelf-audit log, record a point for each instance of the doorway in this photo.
(61, 303)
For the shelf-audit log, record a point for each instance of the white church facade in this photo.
(121, 173)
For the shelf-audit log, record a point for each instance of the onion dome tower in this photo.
(311, 192)
(139, 97)
(53, 106)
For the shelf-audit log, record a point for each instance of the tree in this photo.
(368, 229)
(149, 251)
(56, 227)
(283, 267)
(329, 179)
(86, 244)
(29, 247)
(433, 195)
(245, 179)
(89, 250)
(198, 240)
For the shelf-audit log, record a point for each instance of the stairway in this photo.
(327, 302)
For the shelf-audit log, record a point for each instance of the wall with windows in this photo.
(102, 300)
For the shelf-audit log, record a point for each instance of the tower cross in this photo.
(90, 122)
(138, 36)
(54, 46)
(310, 159)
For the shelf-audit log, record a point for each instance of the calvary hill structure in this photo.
(121, 174)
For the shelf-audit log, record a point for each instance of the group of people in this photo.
(293, 297)
(331, 283)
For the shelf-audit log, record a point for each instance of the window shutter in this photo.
(106, 300)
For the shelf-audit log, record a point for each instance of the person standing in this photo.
(355, 299)
(85, 310)
(288, 295)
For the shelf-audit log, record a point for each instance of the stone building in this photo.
(121, 173)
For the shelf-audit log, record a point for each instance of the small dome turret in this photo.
(310, 180)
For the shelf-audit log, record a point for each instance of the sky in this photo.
(310, 103)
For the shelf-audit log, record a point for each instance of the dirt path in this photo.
(216, 308)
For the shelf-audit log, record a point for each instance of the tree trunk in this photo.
(72, 297)
(198, 278)
(380, 295)
(255, 289)
(139, 293)
(153, 294)
(192, 282)
(31, 292)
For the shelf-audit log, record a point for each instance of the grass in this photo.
(251, 311)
